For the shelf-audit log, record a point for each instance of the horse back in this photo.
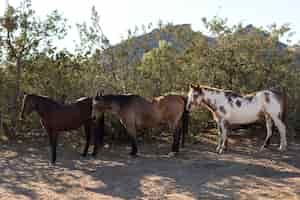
(171, 106)
(71, 116)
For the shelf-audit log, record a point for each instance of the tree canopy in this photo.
(162, 59)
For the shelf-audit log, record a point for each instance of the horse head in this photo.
(195, 96)
(98, 103)
(28, 105)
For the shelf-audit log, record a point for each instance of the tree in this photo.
(23, 35)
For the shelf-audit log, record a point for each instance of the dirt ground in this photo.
(196, 173)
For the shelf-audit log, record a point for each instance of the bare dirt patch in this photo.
(196, 173)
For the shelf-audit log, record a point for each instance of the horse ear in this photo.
(193, 86)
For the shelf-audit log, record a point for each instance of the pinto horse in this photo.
(56, 117)
(229, 108)
(135, 112)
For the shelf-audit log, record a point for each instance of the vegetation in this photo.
(165, 59)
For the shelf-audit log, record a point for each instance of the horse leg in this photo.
(176, 139)
(269, 125)
(282, 130)
(183, 135)
(134, 148)
(95, 131)
(87, 130)
(100, 129)
(184, 128)
(97, 128)
(223, 136)
(219, 137)
(131, 130)
(53, 144)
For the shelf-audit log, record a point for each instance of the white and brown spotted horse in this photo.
(230, 108)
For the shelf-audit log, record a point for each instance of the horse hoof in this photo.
(220, 151)
(262, 148)
(52, 164)
(133, 154)
(173, 154)
(94, 155)
(175, 150)
(282, 148)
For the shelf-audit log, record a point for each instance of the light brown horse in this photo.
(56, 117)
(135, 112)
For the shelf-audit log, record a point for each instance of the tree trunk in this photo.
(15, 124)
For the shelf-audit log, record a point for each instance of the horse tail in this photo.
(100, 129)
(284, 108)
(185, 122)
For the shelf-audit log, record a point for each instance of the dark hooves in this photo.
(133, 154)
(94, 154)
(175, 149)
(84, 154)
(52, 163)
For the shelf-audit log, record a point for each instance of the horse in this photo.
(57, 117)
(136, 112)
(230, 108)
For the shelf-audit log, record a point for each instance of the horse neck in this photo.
(214, 96)
(115, 104)
(44, 106)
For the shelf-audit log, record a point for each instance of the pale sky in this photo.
(117, 16)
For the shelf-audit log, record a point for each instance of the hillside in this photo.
(179, 36)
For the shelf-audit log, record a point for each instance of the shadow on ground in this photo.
(196, 173)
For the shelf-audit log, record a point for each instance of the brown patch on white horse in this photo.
(238, 103)
(267, 96)
(222, 110)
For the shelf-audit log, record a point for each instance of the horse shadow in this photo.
(199, 178)
(196, 172)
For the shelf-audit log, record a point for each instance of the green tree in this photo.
(23, 35)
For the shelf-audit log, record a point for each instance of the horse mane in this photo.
(210, 87)
(228, 91)
(175, 93)
(120, 98)
(81, 99)
(206, 87)
(46, 99)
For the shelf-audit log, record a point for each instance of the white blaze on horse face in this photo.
(190, 99)
(194, 98)
(198, 97)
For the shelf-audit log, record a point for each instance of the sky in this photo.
(117, 16)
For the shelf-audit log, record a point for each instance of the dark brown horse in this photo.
(135, 112)
(56, 117)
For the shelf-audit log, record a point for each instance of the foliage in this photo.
(164, 59)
